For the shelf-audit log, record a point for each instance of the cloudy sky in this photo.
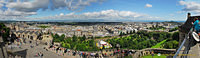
(105, 10)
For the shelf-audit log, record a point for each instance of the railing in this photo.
(186, 38)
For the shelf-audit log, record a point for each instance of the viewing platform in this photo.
(188, 47)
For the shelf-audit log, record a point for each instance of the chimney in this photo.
(188, 15)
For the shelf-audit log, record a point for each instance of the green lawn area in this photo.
(158, 45)
(155, 56)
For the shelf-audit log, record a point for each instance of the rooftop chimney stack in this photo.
(188, 15)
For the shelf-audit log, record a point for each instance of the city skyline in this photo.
(98, 10)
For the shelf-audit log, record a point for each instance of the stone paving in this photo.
(32, 52)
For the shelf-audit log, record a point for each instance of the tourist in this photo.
(30, 41)
(36, 43)
(74, 53)
(196, 25)
(68, 51)
(57, 50)
(40, 54)
(65, 51)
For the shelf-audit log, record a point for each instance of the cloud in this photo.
(33, 6)
(12, 14)
(29, 6)
(190, 6)
(61, 14)
(107, 15)
(148, 5)
(24, 8)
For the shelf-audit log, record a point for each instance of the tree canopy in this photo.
(5, 32)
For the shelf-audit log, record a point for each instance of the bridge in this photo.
(188, 47)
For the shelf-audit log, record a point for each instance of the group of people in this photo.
(63, 51)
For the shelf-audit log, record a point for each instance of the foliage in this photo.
(171, 44)
(140, 40)
(127, 33)
(57, 38)
(175, 36)
(173, 29)
(77, 43)
(6, 31)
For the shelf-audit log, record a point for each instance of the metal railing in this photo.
(186, 38)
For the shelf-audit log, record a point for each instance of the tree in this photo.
(92, 43)
(121, 34)
(68, 40)
(175, 36)
(62, 37)
(66, 45)
(173, 29)
(74, 38)
(127, 33)
(81, 47)
(131, 32)
(83, 38)
(171, 44)
(5, 32)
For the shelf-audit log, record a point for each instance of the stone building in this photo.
(42, 37)
(33, 35)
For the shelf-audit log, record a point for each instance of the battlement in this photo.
(188, 24)
(187, 45)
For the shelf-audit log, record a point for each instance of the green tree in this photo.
(121, 34)
(62, 37)
(66, 45)
(5, 32)
(74, 38)
(83, 38)
(175, 36)
(171, 44)
(127, 33)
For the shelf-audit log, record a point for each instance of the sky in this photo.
(98, 10)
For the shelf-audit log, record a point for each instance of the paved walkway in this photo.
(32, 52)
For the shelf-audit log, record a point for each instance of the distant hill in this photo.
(88, 20)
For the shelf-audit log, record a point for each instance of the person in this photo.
(196, 25)
(57, 49)
(40, 54)
(152, 53)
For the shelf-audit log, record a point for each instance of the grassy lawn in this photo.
(155, 56)
(158, 45)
